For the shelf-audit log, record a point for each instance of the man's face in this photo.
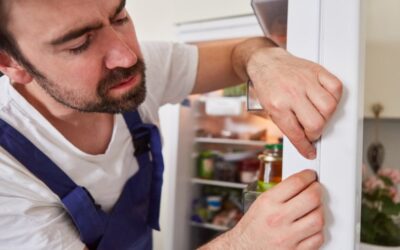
(84, 53)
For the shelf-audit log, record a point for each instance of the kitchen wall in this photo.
(154, 20)
(383, 57)
(382, 82)
(389, 135)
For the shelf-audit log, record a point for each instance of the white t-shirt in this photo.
(31, 215)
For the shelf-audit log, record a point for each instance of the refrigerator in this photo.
(330, 33)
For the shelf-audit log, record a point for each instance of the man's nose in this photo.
(119, 55)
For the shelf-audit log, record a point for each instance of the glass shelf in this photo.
(219, 183)
(210, 226)
(207, 140)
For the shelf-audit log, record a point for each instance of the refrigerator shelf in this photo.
(210, 226)
(219, 183)
(230, 141)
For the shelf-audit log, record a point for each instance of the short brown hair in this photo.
(7, 41)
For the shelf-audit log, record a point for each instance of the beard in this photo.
(103, 103)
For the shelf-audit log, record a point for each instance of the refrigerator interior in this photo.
(218, 124)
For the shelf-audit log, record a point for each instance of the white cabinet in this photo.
(196, 10)
(382, 78)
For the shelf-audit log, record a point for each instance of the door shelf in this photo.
(219, 183)
(210, 226)
(206, 140)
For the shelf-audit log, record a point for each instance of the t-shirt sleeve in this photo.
(36, 227)
(171, 70)
(31, 217)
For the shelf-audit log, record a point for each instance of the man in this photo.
(80, 159)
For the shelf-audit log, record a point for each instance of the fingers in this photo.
(299, 95)
(304, 203)
(310, 224)
(314, 242)
(331, 83)
(323, 100)
(310, 118)
(319, 104)
(290, 126)
(292, 186)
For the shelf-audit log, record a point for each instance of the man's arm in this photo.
(288, 216)
(299, 96)
(222, 63)
(216, 69)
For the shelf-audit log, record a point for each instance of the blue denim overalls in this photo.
(129, 224)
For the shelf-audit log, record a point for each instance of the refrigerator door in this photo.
(331, 33)
(272, 16)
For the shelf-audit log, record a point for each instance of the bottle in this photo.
(269, 174)
(270, 170)
(205, 165)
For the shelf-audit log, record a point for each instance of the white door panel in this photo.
(340, 48)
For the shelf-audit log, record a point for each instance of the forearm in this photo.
(222, 242)
(242, 53)
(223, 63)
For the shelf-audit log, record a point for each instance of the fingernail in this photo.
(312, 155)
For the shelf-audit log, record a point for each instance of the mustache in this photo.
(116, 76)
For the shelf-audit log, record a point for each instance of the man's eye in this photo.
(81, 48)
(121, 21)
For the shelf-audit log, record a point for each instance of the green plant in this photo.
(380, 210)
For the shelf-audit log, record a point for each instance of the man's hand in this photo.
(299, 96)
(287, 217)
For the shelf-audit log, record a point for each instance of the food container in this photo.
(205, 165)
(225, 170)
(270, 170)
(269, 174)
(249, 170)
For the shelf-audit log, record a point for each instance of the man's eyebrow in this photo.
(73, 34)
(120, 7)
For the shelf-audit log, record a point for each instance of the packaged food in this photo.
(225, 170)
(205, 165)
(249, 170)
(214, 203)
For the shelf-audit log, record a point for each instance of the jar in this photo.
(225, 170)
(269, 174)
(205, 165)
(248, 170)
(270, 170)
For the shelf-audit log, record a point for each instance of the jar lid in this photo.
(274, 147)
(270, 157)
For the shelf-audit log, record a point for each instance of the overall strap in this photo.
(76, 199)
(148, 150)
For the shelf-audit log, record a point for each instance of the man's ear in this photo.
(13, 69)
